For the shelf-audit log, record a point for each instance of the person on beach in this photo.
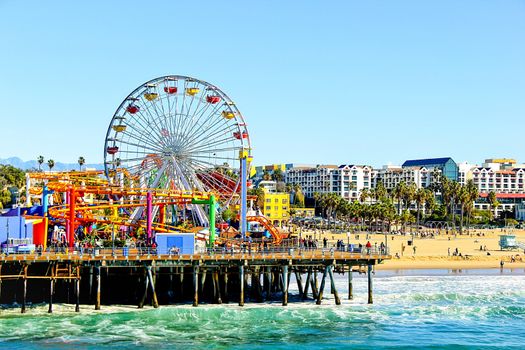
(414, 249)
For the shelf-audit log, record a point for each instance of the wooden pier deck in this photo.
(132, 276)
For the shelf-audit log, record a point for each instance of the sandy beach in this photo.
(479, 249)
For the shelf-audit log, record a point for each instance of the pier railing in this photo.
(246, 252)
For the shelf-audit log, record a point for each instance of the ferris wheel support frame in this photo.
(244, 193)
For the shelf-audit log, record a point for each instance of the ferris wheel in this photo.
(178, 132)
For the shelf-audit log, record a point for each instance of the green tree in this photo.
(420, 198)
(228, 215)
(40, 160)
(494, 203)
(398, 193)
(81, 161)
(277, 175)
(298, 196)
(50, 164)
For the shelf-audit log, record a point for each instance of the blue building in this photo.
(447, 166)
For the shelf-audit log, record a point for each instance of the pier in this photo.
(147, 277)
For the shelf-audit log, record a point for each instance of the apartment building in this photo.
(346, 180)
(392, 175)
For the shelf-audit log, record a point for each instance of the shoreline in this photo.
(436, 263)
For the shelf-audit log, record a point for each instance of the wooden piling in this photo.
(51, 288)
(217, 287)
(370, 300)
(285, 285)
(226, 296)
(181, 281)
(77, 292)
(332, 284)
(24, 293)
(152, 285)
(91, 284)
(98, 280)
(241, 285)
(195, 285)
(321, 289)
(350, 283)
(307, 283)
(298, 278)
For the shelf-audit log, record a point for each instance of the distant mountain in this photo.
(33, 164)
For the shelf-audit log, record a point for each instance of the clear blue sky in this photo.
(337, 82)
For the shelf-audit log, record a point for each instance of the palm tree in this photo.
(298, 195)
(398, 193)
(50, 164)
(473, 194)
(365, 194)
(81, 161)
(380, 192)
(494, 203)
(420, 197)
(40, 160)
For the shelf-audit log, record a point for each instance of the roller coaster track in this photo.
(277, 238)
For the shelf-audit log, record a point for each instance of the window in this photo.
(276, 208)
(268, 200)
(354, 178)
(268, 207)
(276, 200)
(285, 200)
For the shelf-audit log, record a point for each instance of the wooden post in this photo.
(299, 281)
(307, 283)
(285, 285)
(268, 283)
(241, 285)
(332, 284)
(77, 291)
(195, 285)
(152, 284)
(350, 283)
(24, 294)
(51, 287)
(217, 286)
(170, 290)
(320, 294)
(181, 280)
(90, 284)
(226, 297)
(256, 284)
(313, 283)
(98, 280)
(316, 282)
(370, 300)
(146, 287)
(202, 281)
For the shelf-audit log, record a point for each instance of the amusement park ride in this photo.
(176, 154)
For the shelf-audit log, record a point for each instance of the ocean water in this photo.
(412, 309)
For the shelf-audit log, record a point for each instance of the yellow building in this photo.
(276, 207)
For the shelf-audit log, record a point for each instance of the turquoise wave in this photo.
(426, 313)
